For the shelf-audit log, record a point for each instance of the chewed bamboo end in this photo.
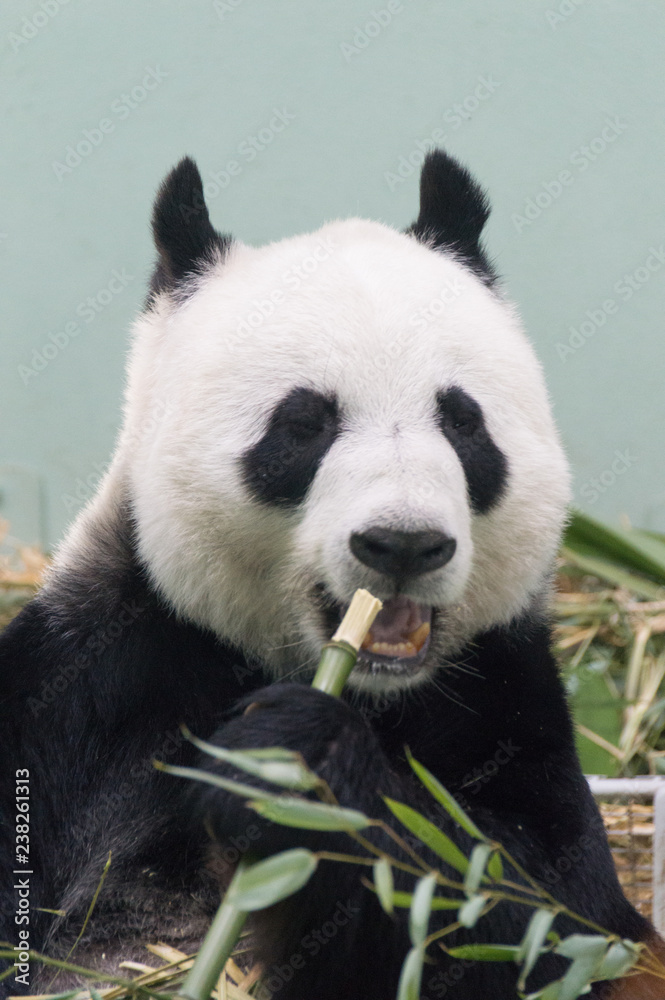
(357, 621)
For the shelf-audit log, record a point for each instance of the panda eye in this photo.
(459, 413)
(305, 430)
(305, 416)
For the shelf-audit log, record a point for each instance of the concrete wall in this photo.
(557, 106)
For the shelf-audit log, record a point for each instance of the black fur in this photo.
(485, 466)
(280, 468)
(86, 706)
(97, 673)
(453, 212)
(184, 236)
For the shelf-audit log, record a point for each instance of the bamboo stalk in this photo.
(338, 659)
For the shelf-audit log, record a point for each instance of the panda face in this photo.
(351, 408)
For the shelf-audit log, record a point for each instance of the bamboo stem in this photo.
(338, 659)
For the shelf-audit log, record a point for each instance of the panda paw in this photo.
(334, 740)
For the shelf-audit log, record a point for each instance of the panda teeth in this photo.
(399, 650)
(396, 649)
(419, 637)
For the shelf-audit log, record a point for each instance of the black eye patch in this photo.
(280, 468)
(485, 466)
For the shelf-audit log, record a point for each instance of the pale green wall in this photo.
(558, 69)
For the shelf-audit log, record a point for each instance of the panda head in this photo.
(357, 407)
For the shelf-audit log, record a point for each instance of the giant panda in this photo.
(357, 407)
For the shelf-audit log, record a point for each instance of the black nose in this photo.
(402, 553)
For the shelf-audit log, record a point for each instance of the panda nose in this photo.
(402, 553)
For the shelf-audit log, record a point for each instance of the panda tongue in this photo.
(400, 628)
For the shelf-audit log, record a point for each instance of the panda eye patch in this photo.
(280, 468)
(461, 420)
(459, 412)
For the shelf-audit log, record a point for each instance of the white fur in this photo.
(385, 323)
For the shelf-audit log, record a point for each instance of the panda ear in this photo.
(184, 236)
(453, 211)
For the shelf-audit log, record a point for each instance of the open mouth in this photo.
(399, 638)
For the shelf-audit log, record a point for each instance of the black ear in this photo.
(453, 211)
(183, 233)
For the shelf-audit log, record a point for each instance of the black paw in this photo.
(334, 740)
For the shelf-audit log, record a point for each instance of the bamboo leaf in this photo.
(495, 867)
(619, 960)
(587, 952)
(429, 834)
(532, 943)
(444, 798)
(485, 952)
(237, 787)
(421, 907)
(384, 883)
(549, 992)
(306, 815)
(635, 550)
(471, 910)
(479, 858)
(404, 899)
(274, 765)
(579, 945)
(411, 975)
(613, 574)
(267, 882)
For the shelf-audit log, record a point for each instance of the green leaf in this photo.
(238, 787)
(438, 902)
(485, 952)
(495, 867)
(579, 945)
(587, 952)
(613, 574)
(429, 834)
(634, 549)
(273, 764)
(479, 858)
(444, 798)
(267, 882)
(384, 884)
(596, 708)
(308, 815)
(619, 960)
(469, 913)
(549, 992)
(532, 943)
(421, 907)
(411, 975)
